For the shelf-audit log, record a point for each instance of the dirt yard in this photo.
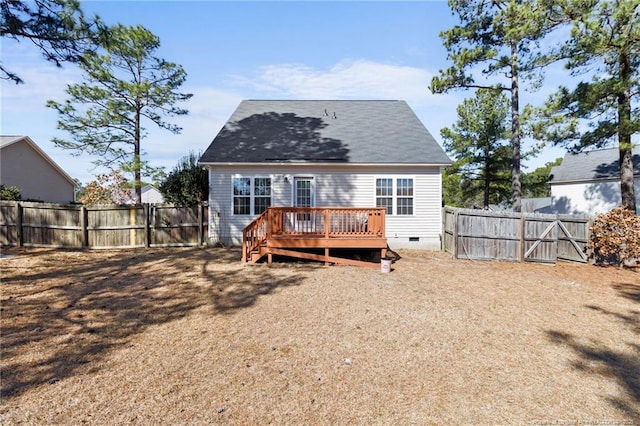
(192, 336)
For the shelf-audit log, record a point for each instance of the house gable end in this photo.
(6, 141)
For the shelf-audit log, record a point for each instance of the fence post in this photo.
(84, 237)
(19, 240)
(456, 216)
(443, 227)
(521, 239)
(590, 258)
(147, 225)
(200, 224)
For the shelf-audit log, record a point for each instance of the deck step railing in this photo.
(254, 235)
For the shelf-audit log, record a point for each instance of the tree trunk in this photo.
(515, 132)
(487, 181)
(627, 191)
(626, 177)
(137, 176)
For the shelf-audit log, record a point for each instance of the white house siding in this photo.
(589, 198)
(335, 186)
(151, 195)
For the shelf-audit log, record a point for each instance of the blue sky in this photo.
(256, 50)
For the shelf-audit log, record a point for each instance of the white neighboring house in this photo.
(25, 165)
(151, 195)
(589, 182)
(333, 153)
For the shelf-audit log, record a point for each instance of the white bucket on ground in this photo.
(385, 265)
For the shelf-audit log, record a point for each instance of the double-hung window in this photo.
(384, 194)
(251, 195)
(395, 195)
(261, 194)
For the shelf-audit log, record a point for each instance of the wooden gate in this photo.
(540, 239)
(573, 237)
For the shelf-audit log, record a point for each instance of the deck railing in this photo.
(328, 221)
(314, 222)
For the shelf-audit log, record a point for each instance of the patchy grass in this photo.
(191, 335)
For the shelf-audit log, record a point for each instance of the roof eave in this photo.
(588, 180)
(306, 163)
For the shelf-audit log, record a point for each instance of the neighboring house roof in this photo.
(329, 131)
(593, 165)
(6, 141)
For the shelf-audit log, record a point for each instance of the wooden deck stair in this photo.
(298, 231)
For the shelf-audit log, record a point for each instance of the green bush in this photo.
(615, 237)
(10, 193)
(187, 184)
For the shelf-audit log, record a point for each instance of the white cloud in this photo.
(354, 79)
(40, 84)
(209, 109)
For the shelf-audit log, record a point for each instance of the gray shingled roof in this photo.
(593, 165)
(334, 131)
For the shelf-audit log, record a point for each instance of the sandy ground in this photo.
(192, 336)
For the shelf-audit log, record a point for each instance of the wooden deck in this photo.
(295, 231)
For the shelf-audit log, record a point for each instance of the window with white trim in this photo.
(261, 194)
(251, 195)
(384, 194)
(404, 196)
(395, 195)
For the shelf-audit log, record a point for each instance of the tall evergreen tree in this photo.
(125, 85)
(536, 184)
(498, 38)
(479, 143)
(604, 47)
(452, 194)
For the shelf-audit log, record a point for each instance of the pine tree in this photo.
(498, 38)
(125, 86)
(479, 143)
(605, 49)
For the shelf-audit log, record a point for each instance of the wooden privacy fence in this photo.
(101, 227)
(528, 237)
